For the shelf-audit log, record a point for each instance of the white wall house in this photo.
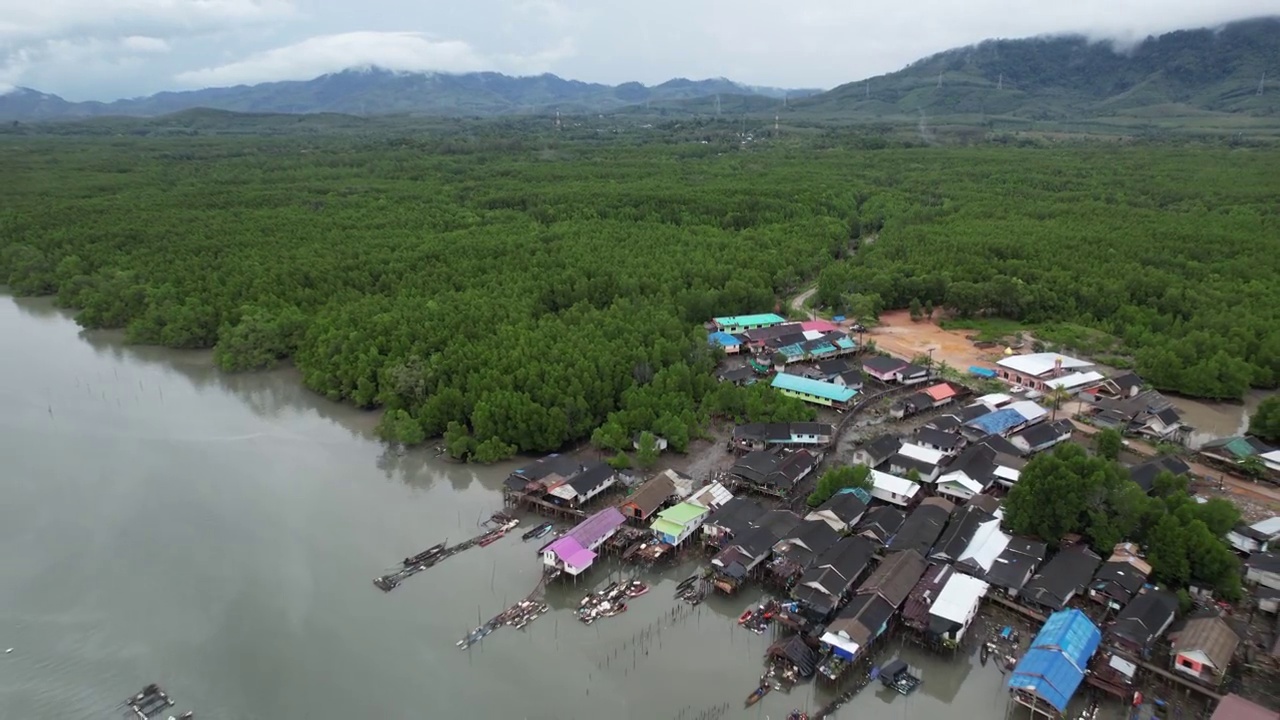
(893, 489)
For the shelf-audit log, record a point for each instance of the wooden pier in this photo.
(542, 507)
(418, 563)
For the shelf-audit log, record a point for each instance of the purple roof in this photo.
(589, 531)
(580, 559)
(565, 548)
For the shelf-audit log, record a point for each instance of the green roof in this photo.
(682, 514)
(743, 320)
(666, 527)
(1241, 448)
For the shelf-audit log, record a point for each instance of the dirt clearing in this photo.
(898, 335)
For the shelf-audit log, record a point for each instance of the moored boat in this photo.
(636, 589)
(758, 693)
(537, 531)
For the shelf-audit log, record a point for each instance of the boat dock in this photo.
(434, 555)
(517, 616)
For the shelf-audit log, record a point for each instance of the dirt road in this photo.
(798, 302)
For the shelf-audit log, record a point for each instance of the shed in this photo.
(1053, 668)
(648, 498)
(1203, 649)
(1144, 619)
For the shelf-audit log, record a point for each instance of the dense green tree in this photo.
(621, 461)
(611, 436)
(1108, 443)
(1265, 421)
(837, 479)
(647, 450)
(915, 309)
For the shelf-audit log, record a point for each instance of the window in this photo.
(1186, 663)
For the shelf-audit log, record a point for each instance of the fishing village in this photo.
(899, 539)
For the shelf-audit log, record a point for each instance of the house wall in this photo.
(808, 398)
(902, 472)
(913, 380)
(685, 534)
(885, 377)
(862, 457)
(1191, 665)
(889, 497)
(1027, 381)
(1266, 579)
(956, 491)
(596, 490)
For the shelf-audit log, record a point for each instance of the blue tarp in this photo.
(723, 339)
(862, 495)
(838, 318)
(1055, 665)
(981, 372)
(998, 422)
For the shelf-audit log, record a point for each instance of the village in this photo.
(919, 549)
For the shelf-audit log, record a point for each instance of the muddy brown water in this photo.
(217, 534)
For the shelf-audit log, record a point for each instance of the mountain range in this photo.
(378, 91)
(1203, 72)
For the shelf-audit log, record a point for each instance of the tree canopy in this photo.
(1265, 421)
(842, 478)
(1067, 491)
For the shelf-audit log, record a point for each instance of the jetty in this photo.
(517, 616)
(436, 554)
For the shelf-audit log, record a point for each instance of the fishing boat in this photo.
(425, 556)
(617, 609)
(636, 589)
(491, 538)
(758, 693)
(537, 531)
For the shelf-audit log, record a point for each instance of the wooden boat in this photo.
(746, 615)
(538, 531)
(488, 540)
(636, 589)
(758, 693)
(984, 653)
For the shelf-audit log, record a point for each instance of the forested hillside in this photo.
(523, 295)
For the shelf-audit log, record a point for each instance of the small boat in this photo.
(636, 589)
(745, 616)
(491, 538)
(532, 533)
(615, 610)
(984, 653)
(758, 693)
(798, 715)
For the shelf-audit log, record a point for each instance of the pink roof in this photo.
(580, 559)
(941, 391)
(565, 548)
(589, 531)
(818, 325)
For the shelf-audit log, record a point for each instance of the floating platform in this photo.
(150, 703)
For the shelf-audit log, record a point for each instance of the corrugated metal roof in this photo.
(682, 514)
(1054, 666)
(1040, 363)
(830, 391)
(740, 320)
(958, 598)
(723, 339)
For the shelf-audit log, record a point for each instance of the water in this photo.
(163, 522)
(1218, 419)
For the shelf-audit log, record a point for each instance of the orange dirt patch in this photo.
(898, 335)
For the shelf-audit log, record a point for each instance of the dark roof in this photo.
(1127, 381)
(986, 503)
(1045, 433)
(806, 541)
(1145, 616)
(755, 542)
(919, 401)
(1169, 416)
(737, 516)
(944, 423)
(811, 428)
(938, 438)
(845, 506)
(834, 367)
(883, 446)
(791, 468)
(591, 477)
(895, 577)
(960, 530)
(849, 557)
(922, 528)
(1118, 579)
(1145, 474)
(882, 522)
(780, 522)
(1068, 572)
(562, 465)
(736, 374)
(862, 617)
(916, 609)
(768, 333)
(782, 341)
(797, 652)
(1268, 562)
(910, 370)
(1028, 547)
(972, 412)
(910, 463)
(1000, 445)
(756, 466)
(882, 364)
(834, 572)
(1010, 570)
(852, 377)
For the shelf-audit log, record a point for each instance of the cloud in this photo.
(403, 51)
(39, 20)
(144, 44)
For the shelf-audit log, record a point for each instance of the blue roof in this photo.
(997, 422)
(827, 390)
(838, 318)
(981, 371)
(1055, 665)
(723, 339)
(739, 320)
(862, 495)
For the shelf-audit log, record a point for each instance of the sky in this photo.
(109, 49)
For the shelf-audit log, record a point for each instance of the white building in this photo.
(893, 489)
(1034, 370)
(1257, 537)
(956, 606)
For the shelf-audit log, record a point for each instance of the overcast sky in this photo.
(106, 49)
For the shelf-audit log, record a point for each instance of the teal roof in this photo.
(827, 390)
(761, 319)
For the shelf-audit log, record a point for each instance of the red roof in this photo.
(818, 325)
(941, 391)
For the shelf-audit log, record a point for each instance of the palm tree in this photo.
(1057, 396)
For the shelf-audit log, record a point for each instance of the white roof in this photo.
(893, 484)
(1029, 410)
(923, 454)
(712, 496)
(995, 400)
(812, 334)
(1008, 473)
(1125, 667)
(1270, 526)
(958, 598)
(1075, 380)
(986, 545)
(1273, 456)
(842, 642)
(1037, 364)
(565, 492)
(960, 478)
